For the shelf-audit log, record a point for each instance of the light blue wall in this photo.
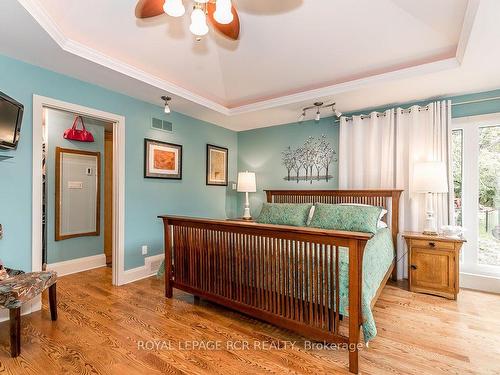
(72, 248)
(144, 198)
(260, 150)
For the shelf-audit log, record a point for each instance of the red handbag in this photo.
(76, 134)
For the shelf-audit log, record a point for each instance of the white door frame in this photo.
(473, 275)
(41, 102)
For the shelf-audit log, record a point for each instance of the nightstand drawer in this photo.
(430, 244)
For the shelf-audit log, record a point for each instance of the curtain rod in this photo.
(427, 107)
(477, 101)
(382, 114)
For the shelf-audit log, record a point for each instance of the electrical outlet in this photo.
(234, 186)
(144, 249)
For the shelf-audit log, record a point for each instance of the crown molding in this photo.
(36, 10)
(467, 25)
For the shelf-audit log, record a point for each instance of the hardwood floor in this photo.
(109, 330)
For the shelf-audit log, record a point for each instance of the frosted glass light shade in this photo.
(430, 177)
(174, 8)
(199, 25)
(223, 13)
(246, 182)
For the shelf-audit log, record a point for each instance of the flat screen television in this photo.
(11, 116)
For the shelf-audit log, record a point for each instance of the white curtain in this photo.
(379, 152)
(366, 151)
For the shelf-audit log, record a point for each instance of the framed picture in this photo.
(216, 165)
(162, 160)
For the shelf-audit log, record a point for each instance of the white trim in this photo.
(414, 71)
(29, 307)
(37, 11)
(480, 282)
(145, 271)
(69, 267)
(40, 102)
(475, 276)
(467, 24)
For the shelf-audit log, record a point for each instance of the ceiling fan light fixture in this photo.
(174, 8)
(199, 25)
(223, 12)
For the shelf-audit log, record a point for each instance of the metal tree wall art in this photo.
(310, 162)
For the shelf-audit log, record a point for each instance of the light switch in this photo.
(75, 185)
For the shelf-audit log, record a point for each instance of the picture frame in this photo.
(162, 160)
(217, 165)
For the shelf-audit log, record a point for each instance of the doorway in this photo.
(78, 193)
(115, 216)
(476, 173)
(108, 196)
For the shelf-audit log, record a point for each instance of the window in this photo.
(475, 149)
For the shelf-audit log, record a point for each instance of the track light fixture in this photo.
(166, 99)
(319, 106)
(318, 112)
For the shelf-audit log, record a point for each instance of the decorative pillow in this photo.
(284, 214)
(351, 218)
(380, 224)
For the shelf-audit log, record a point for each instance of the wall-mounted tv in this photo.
(11, 116)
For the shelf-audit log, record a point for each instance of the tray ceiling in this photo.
(289, 53)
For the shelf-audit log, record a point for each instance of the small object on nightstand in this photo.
(433, 264)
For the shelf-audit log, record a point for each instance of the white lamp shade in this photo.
(246, 182)
(199, 25)
(174, 8)
(430, 177)
(223, 13)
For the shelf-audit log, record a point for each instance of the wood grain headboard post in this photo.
(379, 198)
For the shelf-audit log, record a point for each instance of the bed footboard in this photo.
(286, 276)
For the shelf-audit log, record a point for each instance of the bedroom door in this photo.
(476, 174)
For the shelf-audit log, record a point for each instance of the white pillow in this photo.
(311, 214)
(380, 224)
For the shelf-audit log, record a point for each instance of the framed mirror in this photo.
(77, 190)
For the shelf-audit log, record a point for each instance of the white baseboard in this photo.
(78, 265)
(150, 268)
(34, 305)
(480, 282)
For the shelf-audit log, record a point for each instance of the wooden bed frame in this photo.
(279, 274)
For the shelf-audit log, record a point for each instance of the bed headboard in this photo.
(388, 199)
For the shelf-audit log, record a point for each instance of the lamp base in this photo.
(246, 213)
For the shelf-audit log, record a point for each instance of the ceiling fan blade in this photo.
(231, 30)
(149, 8)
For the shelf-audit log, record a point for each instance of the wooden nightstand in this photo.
(433, 264)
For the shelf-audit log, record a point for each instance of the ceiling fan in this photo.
(221, 14)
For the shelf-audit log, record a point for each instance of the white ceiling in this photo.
(360, 53)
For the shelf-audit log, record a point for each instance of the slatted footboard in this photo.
(287, 276)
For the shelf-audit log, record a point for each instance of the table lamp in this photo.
(430, 177)
(246, 184)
